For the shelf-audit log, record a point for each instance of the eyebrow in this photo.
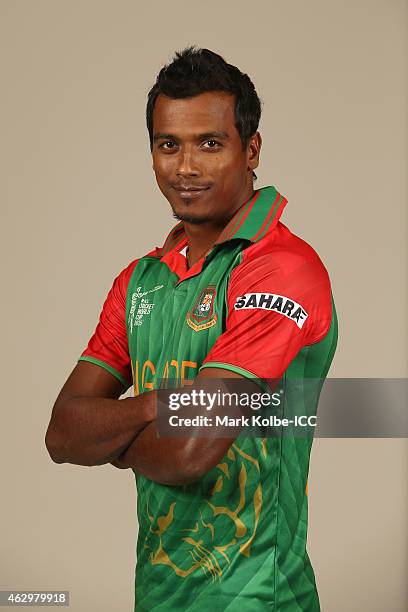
(221, 135)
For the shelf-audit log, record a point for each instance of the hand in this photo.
(119, 464)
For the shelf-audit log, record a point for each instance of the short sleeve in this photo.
(277, 304)
(108, 346)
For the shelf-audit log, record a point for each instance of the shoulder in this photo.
(281, 272)
(121, 281)
(281, 254)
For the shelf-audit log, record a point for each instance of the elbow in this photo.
(174, 478)
(191, 471)
(187, 470)
(54, 448)
(57, 440)
(195, 461)
(180, 478)
(178, 473)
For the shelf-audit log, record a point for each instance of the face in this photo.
(200, 165)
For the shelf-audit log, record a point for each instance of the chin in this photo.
(191, 213)
(188, 218)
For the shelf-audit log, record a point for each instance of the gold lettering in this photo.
(174, 363)
(184, 366)
(135, 374)
(147, 364)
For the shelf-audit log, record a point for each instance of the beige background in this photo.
(79, 201)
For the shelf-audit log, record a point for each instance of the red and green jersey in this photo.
(259, 304)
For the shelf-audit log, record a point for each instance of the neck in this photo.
(201, 237)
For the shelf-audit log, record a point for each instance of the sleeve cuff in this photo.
(107, 367)
(238, 370)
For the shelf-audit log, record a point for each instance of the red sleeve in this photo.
(108, 347)
(277, 304)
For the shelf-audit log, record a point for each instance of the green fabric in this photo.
(237, 370)
(115, 373)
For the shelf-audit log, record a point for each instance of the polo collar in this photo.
(256, 218)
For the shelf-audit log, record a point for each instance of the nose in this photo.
(187, 164)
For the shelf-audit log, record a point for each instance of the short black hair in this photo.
(194, 71)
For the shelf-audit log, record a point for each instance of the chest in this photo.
(173, 323)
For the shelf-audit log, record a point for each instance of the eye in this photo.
(167, 145)
(212, 144)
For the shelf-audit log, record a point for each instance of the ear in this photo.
(254, 150)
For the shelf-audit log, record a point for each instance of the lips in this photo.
(190, 191)
(184, 188)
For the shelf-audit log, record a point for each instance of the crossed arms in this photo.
(90, 426)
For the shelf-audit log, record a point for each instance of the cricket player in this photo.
(231, 295)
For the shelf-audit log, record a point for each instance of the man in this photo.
(232, 294)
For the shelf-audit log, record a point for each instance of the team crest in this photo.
(202, 314)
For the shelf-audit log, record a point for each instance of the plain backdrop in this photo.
(79, 201)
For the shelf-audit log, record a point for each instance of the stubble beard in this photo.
(188, 219)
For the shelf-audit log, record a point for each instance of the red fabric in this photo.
(109, 342)
(263, 341)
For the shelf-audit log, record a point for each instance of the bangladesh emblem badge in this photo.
(202, 315)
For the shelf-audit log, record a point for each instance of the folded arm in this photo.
(177, 461)
(89, 425)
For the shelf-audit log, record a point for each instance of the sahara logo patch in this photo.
(272, 301)
(202, 315)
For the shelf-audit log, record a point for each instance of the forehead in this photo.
(210, 111)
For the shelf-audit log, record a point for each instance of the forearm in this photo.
(93, 431)
(176, 461)
(172, 461)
